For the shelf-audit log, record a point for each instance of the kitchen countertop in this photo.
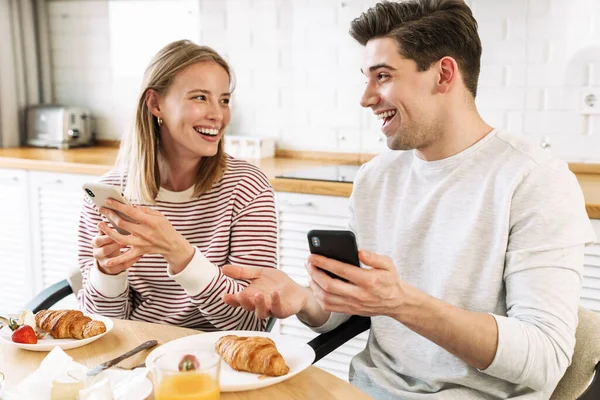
(99, 160)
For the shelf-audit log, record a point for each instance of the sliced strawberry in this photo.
(24, 334)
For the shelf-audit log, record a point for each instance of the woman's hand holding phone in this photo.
(105, 248)
(152, 233)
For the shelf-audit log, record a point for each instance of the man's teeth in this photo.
(386, 114)
(206, 131)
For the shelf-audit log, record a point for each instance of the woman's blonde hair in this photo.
(139, 154)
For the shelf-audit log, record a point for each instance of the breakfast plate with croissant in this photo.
(250, 359)
(47, 329)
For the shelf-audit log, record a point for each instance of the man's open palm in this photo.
(271, 292)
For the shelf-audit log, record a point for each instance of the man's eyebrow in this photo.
(380, 65)
(208, 92)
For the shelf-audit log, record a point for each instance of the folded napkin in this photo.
(59, 377)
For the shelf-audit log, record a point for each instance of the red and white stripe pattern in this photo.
(234, 223)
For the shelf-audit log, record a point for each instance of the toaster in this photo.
(58, 126)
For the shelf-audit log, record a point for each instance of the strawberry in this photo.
(189, 363)
(24, 334)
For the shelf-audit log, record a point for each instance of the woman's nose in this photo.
(215, 113)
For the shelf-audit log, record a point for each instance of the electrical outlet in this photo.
(545, 143)
(589, 101)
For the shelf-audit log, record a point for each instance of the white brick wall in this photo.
(297, 68)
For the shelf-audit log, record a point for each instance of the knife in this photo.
(115, 361)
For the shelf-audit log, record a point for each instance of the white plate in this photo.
(48, 342)
(297, 355)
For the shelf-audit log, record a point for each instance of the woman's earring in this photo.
(160, 121)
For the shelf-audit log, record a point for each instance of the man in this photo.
(473, 240)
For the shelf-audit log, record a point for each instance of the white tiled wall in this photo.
(298, 73)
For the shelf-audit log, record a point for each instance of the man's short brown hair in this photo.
(426, 31)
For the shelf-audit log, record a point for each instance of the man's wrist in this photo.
(412, 302)
(311, 312)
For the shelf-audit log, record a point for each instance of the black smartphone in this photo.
(337, 245)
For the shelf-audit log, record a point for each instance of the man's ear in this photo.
(153, 103)
(447, 73)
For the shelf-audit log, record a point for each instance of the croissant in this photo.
(253, 354)
(63, 324)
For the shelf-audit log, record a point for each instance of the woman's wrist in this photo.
(180, 257)
(104, 270)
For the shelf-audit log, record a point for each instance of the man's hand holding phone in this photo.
(339, 285)
(373, 291)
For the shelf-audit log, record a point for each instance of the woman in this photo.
(203, 209)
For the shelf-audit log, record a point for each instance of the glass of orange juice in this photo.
(187, 375)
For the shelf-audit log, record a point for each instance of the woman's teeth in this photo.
(386, 114)
(206, 131)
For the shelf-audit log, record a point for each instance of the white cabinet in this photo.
(15, 245)
(298, 214)
(39, 217)
(55, 206)
(590, 292)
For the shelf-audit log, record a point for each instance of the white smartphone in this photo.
(99, 192)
